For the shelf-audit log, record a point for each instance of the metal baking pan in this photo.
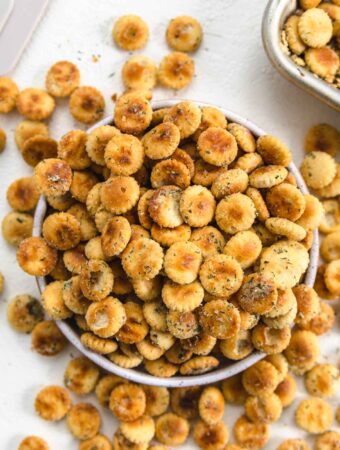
(274, 18)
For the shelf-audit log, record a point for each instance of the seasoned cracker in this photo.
(210, 436)
(286, 390)
(87, 104)
(139, 431)
(97, 344)
(308, 303)
(182, 325)
(286, 228)
(142, 258)
(286, 201)
(100, 441)
(221, 275)
(237, 347)
(170, 172)
(329, 439)
(47, 339)
(24, 312)
(314, 415)
(260, 379)
(273, 150)
(37, 148)
(330, 247)
(229, 182)
(331, 277)
(245, 247)
(331, 218)
(139, 72)
(27, 129)
(83, 421)
(119, 194)
(33, 443)
(322, 323)
(211, 117)
(186, 115)
(52, 403)
(124, 154)
(323, 62)
(318, 169)
(97, 141)
(62, 78)
(249, 162)
(302, 351)
(267, 176)
(249, 434)
(22, 194)
(96, 279)
(135, 327)
(220, 319)
(294, 444)
(258, 294)
(130, 32)
(315, 27)
(160, 368)
(132, 113)
(244, 138)
(169, 236)
(34, 104)
(9, 93)
(182, 298)
(176, 70)
(324, 138)
(263, 410)
(115, 236)
(81, 376)
(164, 206)
(157, 400)
(171, 429)
(184, 34)
(217, 146)
(295, 43)
(234, 213)
(285, 262)
(270, 339)
(155, 314)
(233, 390)
(197, 206)
(127, 401)
(322, 380)
(161, 141)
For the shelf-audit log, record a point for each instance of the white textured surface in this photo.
(232, 70)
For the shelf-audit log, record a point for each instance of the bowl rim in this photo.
(176, 381)
(273, 19)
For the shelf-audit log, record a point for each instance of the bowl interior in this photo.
(229, 368)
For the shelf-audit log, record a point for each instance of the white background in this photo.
(232, 71)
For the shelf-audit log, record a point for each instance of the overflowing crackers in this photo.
(153, 257)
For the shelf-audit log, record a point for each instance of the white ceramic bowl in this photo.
(227, 370)
(274, 18)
